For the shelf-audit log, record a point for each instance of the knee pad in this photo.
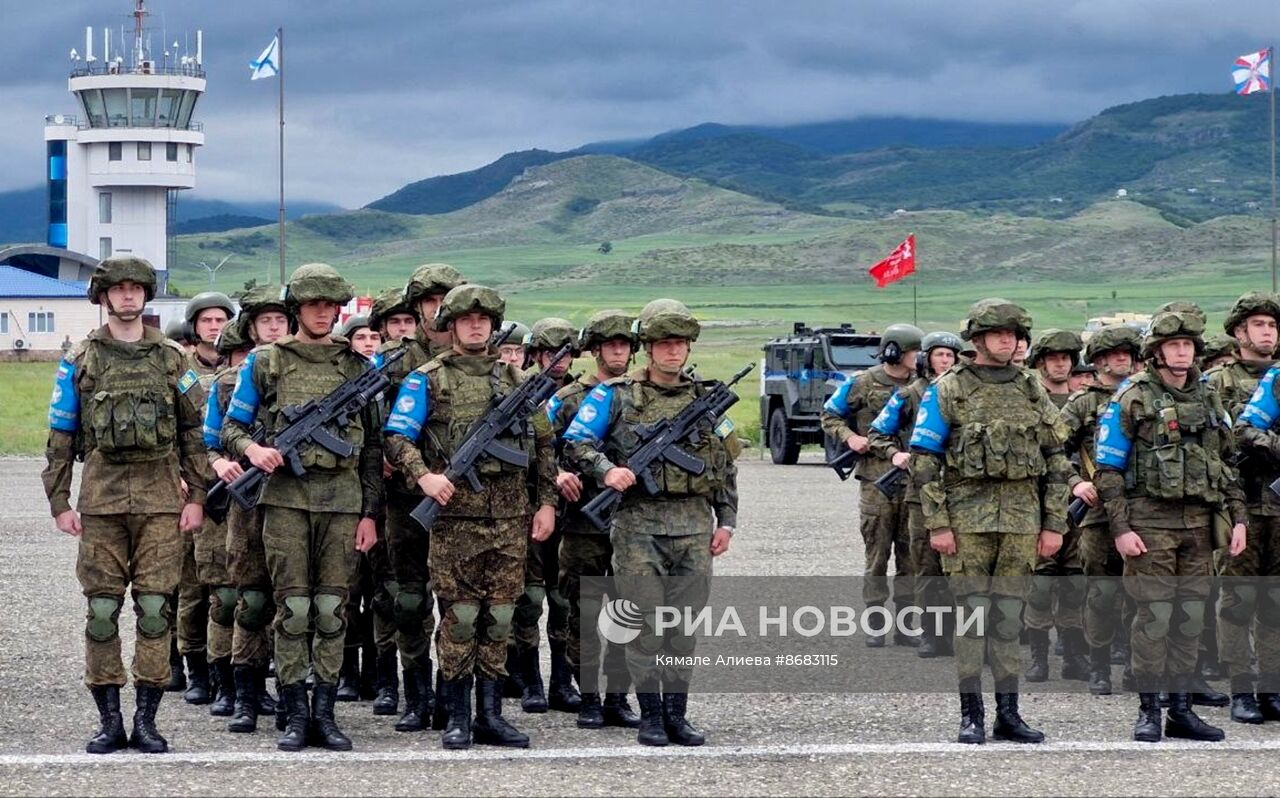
(975, 606)
(1240, 611)
(498, 629)
(102, 622)
(297, 616)
(331, 616)
(253, 615)
(384, 600)
(153, 620)
(1103, 592)
(532, 599)
(1007, 612)
(1269, 608)
(408, 606)
(1071, 590)
(464, 615)
(1161, 614)
(223, 611)
(1040, 594)
(1191, 617)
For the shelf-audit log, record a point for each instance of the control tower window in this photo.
(184, 111)
(144, 150)
(171, 152)
(114, 151)
(170, 99)
(116, 104)
(104, 207)
(104, 248)
(142, 106)
(94, 108)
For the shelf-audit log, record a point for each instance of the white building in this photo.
(38, 313)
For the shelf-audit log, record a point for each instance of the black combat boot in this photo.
(873, 640)
(534, 698)
(457, 696)
(1009, 724)
(440, 717)
(1202, 695)
(145, 738)
(1269, 703)
(1146, 729)
(590, 713)
(293, 701)
(617, 712)
(490, 728)
(972, 718)
(1059, 645)
(244, 717)
(928, 648)
(652, 728)
(901, 638)
(324, 728)
(225, 701)
(198, 680)
(1038, 670)
(1075, 660)
(1100, 670)
(177, 677)
(426, 696)
(563, 696)
(414, 680)
(110, 737)
(282, 706)
(1128, 681)
(1182, 722)
(1244, 708)
(387, 700)
(513, 685)
(348, 688)
(1120, 652)
(266, 701)
(368, 671)
(679, 730)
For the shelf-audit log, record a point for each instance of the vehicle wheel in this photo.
(783, 446)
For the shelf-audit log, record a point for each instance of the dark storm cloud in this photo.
(382, 92)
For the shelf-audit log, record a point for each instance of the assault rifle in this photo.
(510, 411)
(661, 441)
(307, 424)
(1076, 510)
(217, 502)
(844, 463)
(892, 482)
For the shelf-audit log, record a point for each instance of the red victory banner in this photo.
(900, 263)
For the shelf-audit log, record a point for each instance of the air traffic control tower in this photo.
(116, 165)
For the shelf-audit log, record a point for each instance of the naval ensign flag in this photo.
(267, 65)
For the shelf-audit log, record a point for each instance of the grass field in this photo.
(24, 406)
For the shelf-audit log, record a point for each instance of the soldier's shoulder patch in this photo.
(188, 381)
(724, 428)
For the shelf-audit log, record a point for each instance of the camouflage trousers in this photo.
(409, 550)
(192, 603)
(142, 554)
(211, 571)
(370, 608)
(991, 571)
(1058, 587)
(1250, 603)
(589, 555)
(1105, 605)
(543, 561)
(1170, 585)
(252, 638)
(478, 569)
(312, 560)
(932, 589)
(885, 534)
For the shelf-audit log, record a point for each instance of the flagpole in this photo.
(915, 315)
(1271, 65)
(279, 55)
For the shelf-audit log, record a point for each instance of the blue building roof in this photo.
(19, 283)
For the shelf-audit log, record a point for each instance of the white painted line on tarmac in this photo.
(484, 753)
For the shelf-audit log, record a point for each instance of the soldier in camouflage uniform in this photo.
(205, 316)
(1058, 588)
(890, 432)
(512, 349)
(313, 525)
(1220, 350)
(846, 418)
(584, 550)
(1250, 594)
(1113, 351)
(1163, 447)
(408, 542)
(992, 476)
(663, 544)
(478, 546)
(543, 563)
(127, 402)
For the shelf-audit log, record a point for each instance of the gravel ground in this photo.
(794, 521)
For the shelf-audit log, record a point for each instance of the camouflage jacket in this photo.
(132, 411)
(561, 410)
(1260, 445)
(1080, 416)
(852, 408)
(892, 428)
(421, 350)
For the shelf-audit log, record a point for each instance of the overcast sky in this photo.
(384, 92)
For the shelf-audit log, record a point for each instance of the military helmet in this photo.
(352, 324)
(1113, 337)
(429, 279)
(987, 315)
(942, 340)
(232, 339)
(1054, 340)
(387, 304)
(605, 325)
(519, 331)
(312, 282)
(666, 318)
(550, 334)
(1181, 306)
(1220, 345)
(176, 330)
(1169, 325)
(206, 301)
(896, 339)
(118, 269)
(1251, 304)
(468, 298)
(261, 299)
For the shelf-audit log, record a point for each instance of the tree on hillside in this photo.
(605, 248)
